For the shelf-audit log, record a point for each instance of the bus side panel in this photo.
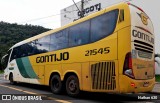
(41, 74)
(124, 46)
(49, 69)
(23, 71)
(86, 77)
(13, 68)
(73, 68)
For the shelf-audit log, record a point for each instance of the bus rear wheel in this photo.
(72, 86)
(56, 84)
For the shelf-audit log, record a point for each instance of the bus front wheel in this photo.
(72, 86)
(11, 79)
(56, 84)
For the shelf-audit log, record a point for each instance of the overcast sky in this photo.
(46, 13)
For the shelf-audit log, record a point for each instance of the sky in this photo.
(46, 13)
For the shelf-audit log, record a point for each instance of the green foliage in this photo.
(1, 72)
(11, 34)
(157, 78)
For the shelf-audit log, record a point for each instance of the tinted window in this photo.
(59, 40)
(42, 44)
(103, 25)
(31, 48)
(79, 34)
(15, 54)
(22, 51)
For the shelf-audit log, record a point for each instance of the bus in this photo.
(110, 51)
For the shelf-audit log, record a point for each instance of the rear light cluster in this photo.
(133, 84)
(127, 68)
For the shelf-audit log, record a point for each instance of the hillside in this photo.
(13, 33)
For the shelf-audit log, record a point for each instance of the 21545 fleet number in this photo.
(105, 50)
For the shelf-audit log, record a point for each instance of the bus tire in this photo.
(72, 86)
(11, 79)
(56, 84)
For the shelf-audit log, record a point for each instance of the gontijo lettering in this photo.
(143, 36)
(53, 58)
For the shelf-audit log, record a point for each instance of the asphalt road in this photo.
(30, 93)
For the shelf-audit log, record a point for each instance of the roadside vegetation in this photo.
(10, 34)
(1, 71)
(157, 78)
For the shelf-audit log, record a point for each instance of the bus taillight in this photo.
(133, 84)
(127, 68)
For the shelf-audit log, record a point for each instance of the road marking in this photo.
(58, 100)
(28, 92)
(11, 88)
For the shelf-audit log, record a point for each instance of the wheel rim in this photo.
(72, 86)
(55, 84)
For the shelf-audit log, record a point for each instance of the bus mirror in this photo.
(4, 61)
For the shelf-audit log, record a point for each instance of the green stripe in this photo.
(21, 68)
(25, 68)
(28, 68)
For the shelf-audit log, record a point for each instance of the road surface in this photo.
(31, 93)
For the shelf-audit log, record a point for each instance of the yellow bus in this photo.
(111, 51)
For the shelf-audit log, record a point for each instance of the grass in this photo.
(157, 78)
(1, 72)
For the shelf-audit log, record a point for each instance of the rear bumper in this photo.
(128, 85)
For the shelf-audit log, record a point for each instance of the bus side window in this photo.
(29, 49)
(32, 48)
(121, 16)
(59, 40)
(79, 34)
(103, 25)
(43, 44)
(24, 50)
(14, 54)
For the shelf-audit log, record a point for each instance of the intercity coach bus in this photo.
(111, 51)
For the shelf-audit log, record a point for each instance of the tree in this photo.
(11, 34)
